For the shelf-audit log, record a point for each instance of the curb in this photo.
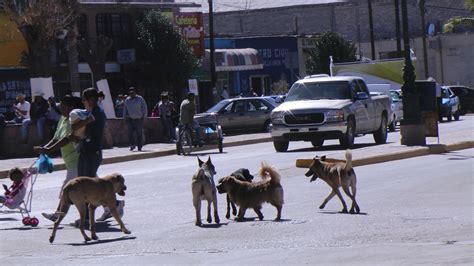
(156, 154)
(421, 151)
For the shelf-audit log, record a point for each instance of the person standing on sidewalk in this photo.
(38, 111)
(134, 111)
(165, 115)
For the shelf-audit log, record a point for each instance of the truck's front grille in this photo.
(295, 119)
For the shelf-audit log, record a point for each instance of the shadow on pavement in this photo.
(339, 212)
(335, 147)
(457, 157)
(106, 227)
(100, 241)
(8, 219)
(213, 225)
(23, 228)
(196, 154)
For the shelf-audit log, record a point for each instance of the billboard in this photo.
(191, 27)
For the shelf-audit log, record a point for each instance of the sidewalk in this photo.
(453, 136)
(123, 154)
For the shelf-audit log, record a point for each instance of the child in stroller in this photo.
(12, 198)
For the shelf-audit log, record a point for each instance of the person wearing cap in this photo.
(135, 111)
(38, 111)
(164, 108)
(186, 117)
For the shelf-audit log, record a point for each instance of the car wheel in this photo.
(266, 126)
(281, 146)
(347, 139)
(392, 127)
(317, 142)
(450, 114)
(380, 136)
(456, 115)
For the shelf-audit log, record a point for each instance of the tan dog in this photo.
(83, 191)
(253, 195)
(203, 188)
(336, 174)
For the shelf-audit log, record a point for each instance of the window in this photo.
(239, 107)
(117, 27)
(256, 105)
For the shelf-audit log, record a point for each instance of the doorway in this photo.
(260, 84)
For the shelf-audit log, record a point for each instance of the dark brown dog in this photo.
(244, 175)
(253, 195)
(83, 191)
(336, 174)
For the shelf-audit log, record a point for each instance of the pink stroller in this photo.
(21, 202)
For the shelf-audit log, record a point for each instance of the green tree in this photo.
(171, 61)
(470, 4)
(326, 45)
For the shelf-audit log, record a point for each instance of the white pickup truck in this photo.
(320, 108)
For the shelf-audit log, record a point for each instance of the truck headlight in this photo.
(277, 117)
(335, 116)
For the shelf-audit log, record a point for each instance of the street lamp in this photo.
(412, 129)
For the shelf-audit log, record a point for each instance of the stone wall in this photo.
(115, 135)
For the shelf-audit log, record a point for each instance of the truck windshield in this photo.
(319, 90)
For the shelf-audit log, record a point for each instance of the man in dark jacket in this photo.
(38, 111)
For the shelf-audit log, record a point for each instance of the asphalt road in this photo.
(418, 210)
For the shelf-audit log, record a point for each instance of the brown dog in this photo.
(336, 174)
(203, 188)
(253, 195)
(83, 191)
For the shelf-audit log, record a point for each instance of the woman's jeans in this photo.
(25, 124)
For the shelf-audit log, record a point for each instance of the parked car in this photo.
(466, 98)
(321, 108)
(449, 105)
(240, 114)
(397, 106)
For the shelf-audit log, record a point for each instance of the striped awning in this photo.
(236, 59)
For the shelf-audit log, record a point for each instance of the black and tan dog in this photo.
(253, 195)
(94, 192)
(203, 188)
(336, 174)
(244, 175)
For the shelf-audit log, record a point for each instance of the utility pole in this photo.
(212, 48)
(412, 129)
(371, 26)
(423, 32)
(397, 28)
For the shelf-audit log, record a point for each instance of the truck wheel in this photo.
(380, 136)
(456, 115)
(347, 140)
(281, 146)
(317, 142)
(393, 125)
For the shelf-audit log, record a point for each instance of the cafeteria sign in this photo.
(190, 26)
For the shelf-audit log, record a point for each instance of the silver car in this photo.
(240, 114)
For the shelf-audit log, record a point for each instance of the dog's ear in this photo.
(209, 159)
(323, 158)
(200, 162)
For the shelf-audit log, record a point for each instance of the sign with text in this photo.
(126, 56)
(190, 26)
(193, 86)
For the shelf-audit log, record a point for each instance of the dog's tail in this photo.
(268, 170)
(348, 156)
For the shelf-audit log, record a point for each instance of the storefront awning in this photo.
(236, 59)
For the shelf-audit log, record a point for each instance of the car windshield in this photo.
(319, 90)
(216, 108)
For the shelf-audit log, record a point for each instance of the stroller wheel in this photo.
(26, 221)
(34, 222)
